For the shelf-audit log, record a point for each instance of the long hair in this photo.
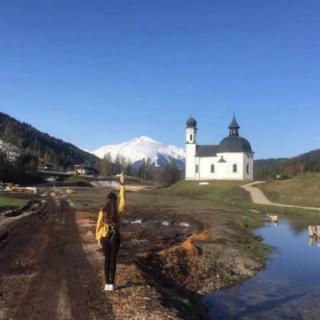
(110, 209)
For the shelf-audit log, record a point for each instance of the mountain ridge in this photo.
(26, 138)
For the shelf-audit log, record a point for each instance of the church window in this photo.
(235, 168)
(248, 168)
(212, 168)
(197, 168)
(191, 137)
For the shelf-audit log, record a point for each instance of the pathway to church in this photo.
(259, 197)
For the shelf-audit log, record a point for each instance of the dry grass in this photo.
(301, 190)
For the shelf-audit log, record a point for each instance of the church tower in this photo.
(191, 147)
(234, 128)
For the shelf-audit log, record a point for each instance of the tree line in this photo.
(24, 170)
(144, 170)
(287, 167)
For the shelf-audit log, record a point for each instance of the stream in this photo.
(289, 286)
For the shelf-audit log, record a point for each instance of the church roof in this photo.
(207, 151)
(234, 144)
(191, 123)
(234, 124)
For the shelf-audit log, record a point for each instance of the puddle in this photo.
(161, 222)
(138, 221)
(288, 288)
(183, 224)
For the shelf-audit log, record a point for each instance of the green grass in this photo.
(190, 195)
(229, 195)
(225, 211)
(219, 193)
(222, 207)
(15, 200)
(301, 190)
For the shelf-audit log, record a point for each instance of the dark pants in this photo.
(110, 246)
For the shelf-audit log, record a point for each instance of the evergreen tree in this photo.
(106, 165)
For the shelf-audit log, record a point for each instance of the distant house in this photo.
(231, 159)
(44, 165)
(83, 170)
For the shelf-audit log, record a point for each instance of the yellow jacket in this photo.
(103, 228)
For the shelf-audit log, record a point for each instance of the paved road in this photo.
(258, 197)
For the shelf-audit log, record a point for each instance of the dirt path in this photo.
(51, 267)
(45, 273)
(145, 291)
(259, 197)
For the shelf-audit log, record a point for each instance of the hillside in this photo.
(301, 190)
(11, 151)
(55, 151)
(269, 168)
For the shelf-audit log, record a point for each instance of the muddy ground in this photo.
(51, 267)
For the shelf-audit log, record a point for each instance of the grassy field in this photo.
(222, 207)
(301, 190)
(227, 195)
(232, 251)
(220, 193)
(13, 200)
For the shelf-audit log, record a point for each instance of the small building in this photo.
(44, 165)
(83, 170)
(231, 159)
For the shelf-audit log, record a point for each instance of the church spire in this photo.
(234, 127)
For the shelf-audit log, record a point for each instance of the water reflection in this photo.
(289, 287)
(314, 242)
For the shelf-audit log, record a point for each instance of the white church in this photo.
(231, 159)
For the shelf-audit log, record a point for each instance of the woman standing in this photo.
(108, 233)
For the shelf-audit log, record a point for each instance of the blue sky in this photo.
(104, 71)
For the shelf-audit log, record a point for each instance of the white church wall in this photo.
(191, 138)
(248, 161)
(222, 170)
(205, 168)
(190, 170)
(190, 162)
(231, 159)
(191, 135)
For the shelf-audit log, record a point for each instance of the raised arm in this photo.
(122, 200)
(99, 227)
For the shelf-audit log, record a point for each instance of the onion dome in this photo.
(191, 123)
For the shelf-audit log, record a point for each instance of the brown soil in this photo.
(51, 267)
(44, 270)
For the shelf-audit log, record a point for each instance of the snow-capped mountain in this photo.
(10, 150)
(145, 148)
